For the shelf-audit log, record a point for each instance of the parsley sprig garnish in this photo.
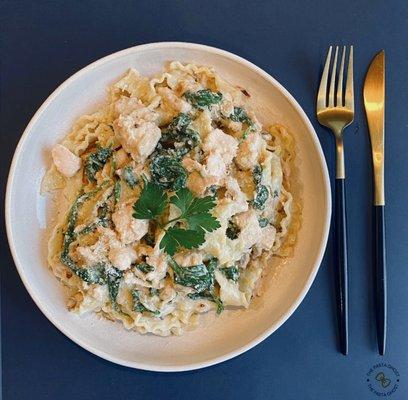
(195, 213)
(151, 203)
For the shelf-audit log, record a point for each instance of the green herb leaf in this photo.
(182, 199)
(195, 211)
(151, 203)
(175, 238)
(204, 221)
(96, 161)
(203, 98)
(189, 205)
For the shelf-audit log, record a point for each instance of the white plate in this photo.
(217, 338)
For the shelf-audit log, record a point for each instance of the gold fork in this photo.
(335, 110)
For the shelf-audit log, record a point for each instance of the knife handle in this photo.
(341, 264)
(380, 278)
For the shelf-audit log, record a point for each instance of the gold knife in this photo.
(374, 99)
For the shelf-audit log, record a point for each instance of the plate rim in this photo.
(196, 365)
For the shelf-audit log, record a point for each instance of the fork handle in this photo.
(380, 276)
(341, 264)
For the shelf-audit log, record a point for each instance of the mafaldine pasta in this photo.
(172, 199)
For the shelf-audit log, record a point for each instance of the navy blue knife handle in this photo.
(380, 278)
(341, 264)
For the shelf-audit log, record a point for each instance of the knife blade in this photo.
(374, 98)
(374, 102)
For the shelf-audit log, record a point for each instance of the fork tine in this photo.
(333, 79)
(340, 83)
(322, 93)
(349, 97)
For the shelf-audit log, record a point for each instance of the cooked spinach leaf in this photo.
(129, 177)
(257, 174)
(197, 277)
(96, 161)
(70, 235)
(231, 272)
(261, 191)
(240, 115)
(113, 277)
(149, 239)
(207, 295)
(92, 275)
(89, 228)
(261, 195)
(117, 191)
(206, 290)
(178, 123)
(212, 190)
(168, 173)
(145, 268)
(138, 305)
(100, 273)
(177, 138)
(203, 98)
(263, 222)
(219, 303)
(104, 215)
(232, 230)
(104, 219)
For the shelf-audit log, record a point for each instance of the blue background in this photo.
(43, 43)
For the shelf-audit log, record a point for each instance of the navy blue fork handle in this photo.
(380, 278)
(341, 264)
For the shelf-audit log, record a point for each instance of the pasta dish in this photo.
(172, 199)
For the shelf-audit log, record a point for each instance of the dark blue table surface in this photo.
(44, 42)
